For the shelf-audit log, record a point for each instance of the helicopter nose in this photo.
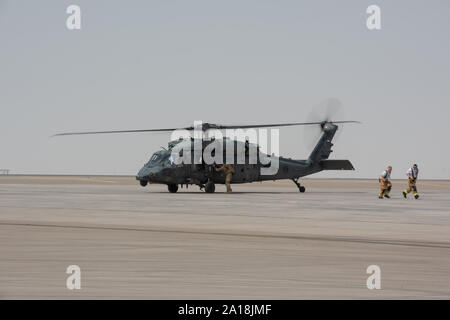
(146, 174)
(141, 173)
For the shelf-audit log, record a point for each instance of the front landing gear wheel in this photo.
(143, 183)
(210, 187)
(302, 189)
(172, 188)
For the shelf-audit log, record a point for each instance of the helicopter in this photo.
(169, 166)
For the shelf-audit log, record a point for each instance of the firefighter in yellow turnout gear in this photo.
(385, 183)
(227, 170)
(412, 175)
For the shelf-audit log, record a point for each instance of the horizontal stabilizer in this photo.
(336, 165)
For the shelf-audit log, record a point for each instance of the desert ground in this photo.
(264, 241)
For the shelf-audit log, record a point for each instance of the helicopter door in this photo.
(251, 172)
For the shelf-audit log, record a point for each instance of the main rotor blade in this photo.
(280, 124)
(118, 131)
(205, 127)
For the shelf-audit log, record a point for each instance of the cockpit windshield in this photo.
(164, 158)
(155, 158)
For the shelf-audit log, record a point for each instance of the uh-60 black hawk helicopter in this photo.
(162, 169)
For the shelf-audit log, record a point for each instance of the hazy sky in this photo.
(152, 64)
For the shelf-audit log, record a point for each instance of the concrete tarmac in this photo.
(264, 241)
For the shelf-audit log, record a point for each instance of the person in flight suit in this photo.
(227, 170)
(385, 183)
(412, 175)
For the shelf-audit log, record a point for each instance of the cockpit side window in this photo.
(165, 159)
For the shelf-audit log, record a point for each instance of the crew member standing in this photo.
(412, 175)
(227, 170)
(385, 183)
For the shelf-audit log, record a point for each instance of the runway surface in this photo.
(265, 241)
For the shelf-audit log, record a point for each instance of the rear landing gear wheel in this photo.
(300, 187)
(210, 187)
(172, 188)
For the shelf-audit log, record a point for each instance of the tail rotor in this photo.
(327, 111)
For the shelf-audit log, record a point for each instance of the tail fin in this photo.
(322, 149)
